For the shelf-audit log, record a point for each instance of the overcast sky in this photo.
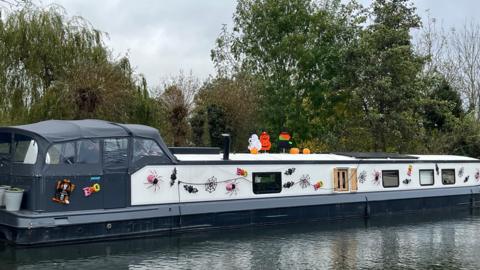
(164, 37)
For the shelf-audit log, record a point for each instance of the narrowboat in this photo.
(89, 180)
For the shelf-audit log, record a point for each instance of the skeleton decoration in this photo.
(63, 191)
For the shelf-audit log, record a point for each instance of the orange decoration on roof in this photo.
(265, 140)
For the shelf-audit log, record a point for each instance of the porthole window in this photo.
(426, 177)
(267, 182)
(390, 179)
(448, 176)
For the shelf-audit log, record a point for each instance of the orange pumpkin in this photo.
(294, 151)
(306, 151)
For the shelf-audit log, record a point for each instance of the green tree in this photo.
(298, 50)
(386, 88)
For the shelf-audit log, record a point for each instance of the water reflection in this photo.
(408, 242)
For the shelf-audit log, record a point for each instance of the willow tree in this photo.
(54, 66)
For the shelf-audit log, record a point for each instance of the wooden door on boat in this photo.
(345, 179)
(340, 179)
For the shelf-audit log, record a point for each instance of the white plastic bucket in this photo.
(13, 199)
(2, 194)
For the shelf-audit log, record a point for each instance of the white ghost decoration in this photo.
(254, 143)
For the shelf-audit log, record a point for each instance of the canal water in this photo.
(440, 241)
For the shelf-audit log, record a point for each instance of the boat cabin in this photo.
(86, 152)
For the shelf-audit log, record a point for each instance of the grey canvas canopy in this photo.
(50, 132)
(61, 130)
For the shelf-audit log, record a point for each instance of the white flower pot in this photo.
(13, 199)
(2, 194)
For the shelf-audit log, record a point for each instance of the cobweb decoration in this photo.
(461, 172)
(304, 181)
(211, 184)
(153, 180)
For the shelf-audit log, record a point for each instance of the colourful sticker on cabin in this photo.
(87, 191)
(63, 191)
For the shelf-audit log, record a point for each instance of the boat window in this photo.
(448, 176)
(88, 152)
(61, 153)
(146, 148)
(390, 179)
(5, 142)
(267, 182)
(426, 177)
(26, 149)
(115, 152)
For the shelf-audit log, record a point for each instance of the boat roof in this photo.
(316, 157)
(65, 130)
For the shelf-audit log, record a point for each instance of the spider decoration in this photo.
(477, 175)
(190, 189)
(407, 181)
(437, 170)
(232, 188)
(211, 184)
(153, 180)
(362, 177)
(376, 177)
(466, 178)
(461, 171)
(305, 181)
(173, 177)
(289, 184)
(289, 171)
